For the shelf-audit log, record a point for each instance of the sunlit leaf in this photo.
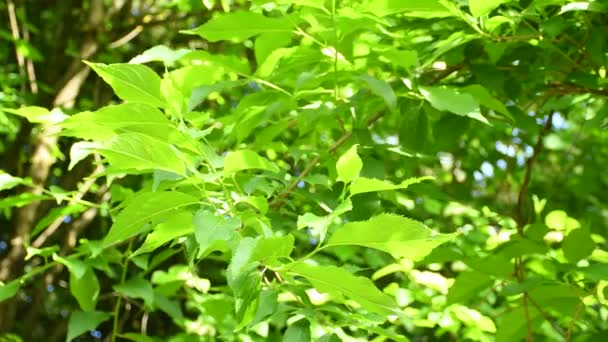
(143, 209)
(363, 185)
(179, 224)
(397, 235)
(240, 25)
(247, 160)
(482, 7)
(132, 82)
(349, 165)
(339, 282)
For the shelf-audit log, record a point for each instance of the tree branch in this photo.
(279, 201)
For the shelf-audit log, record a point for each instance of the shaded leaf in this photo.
(454, 101)
(85, 289)
(578, 245)
(81, 322)
(9, 290)
(468, 285)
(136, 288)
(382, 89)
(298, 332)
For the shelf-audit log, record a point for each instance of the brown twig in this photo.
(279, 201)
(577, 313)
(521, 218)
(82, 191)
(547, 317)
(12, 18)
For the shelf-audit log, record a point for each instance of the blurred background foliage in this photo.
(502, 102)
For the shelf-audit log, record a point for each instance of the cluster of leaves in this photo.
(273, 195)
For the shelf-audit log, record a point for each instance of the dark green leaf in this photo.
(81, 322)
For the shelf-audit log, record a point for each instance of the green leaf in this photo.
(247, 160)
(483, 7)
(136, 288)
(298, 332)
(8, 182)
(36, 114)
(9, 290)
(132, 82)
(483, 96)
(238, 26)
(266, 43)
(339, 282)
(181, 274)
(363, 185)
(513, 325)
(403, 58)
(54, 214)
(320, 224)
(21, 200)
(85, 289)
(397, 235)
(578, 245)
(243, 276)
(110, 121)
(349, 165)
(81, 322)
(562, 298)
(143, 208)
(468, 285)
(382, 89)
(584, 6)
(179, 224)
(474, 318)
(136, 151)
(454, 101)
(214, 232)
(414, 128)
(160, 53)
(409, 8)
(76, 266)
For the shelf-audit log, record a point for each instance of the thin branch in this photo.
(82, 191)
(577, 313)
(279, 201)
(547, 317)
(127, 37)
(520, 219)
(529, 336)
(12, 18)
